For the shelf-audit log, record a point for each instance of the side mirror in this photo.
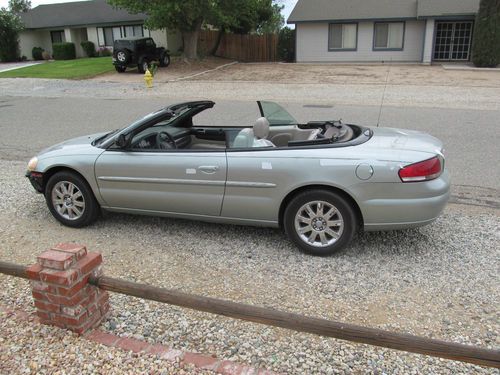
(122, 141)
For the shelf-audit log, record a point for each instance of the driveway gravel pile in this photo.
(439, 281)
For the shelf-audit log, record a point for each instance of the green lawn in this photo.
(68, 69)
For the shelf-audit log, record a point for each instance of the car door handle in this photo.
(209, 169)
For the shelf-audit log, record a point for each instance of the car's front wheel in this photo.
(70, 200)
(142, 65)
(320, 222)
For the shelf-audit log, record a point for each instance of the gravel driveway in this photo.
(438, 281)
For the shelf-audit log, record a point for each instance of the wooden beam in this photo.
(296, 322)
(292, 321)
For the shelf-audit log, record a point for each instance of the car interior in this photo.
(275, 128)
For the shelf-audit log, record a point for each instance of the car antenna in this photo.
(383, 95)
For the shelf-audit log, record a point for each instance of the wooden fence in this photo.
(244, 48)
(296, 322)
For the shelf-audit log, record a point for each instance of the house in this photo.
(384, 30)
(94, 20)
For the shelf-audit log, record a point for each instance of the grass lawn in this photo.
(67, 69)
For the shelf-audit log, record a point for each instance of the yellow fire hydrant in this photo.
(148, 78)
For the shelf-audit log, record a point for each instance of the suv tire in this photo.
(142, 65)
(164, 59)
(120, 69)
(122, 56)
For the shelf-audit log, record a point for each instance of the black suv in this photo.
(138, 52)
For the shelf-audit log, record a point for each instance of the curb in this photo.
(162, 352)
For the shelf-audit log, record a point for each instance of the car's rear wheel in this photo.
(120, 69)
(320, 222)
(164, 59)
(70, 200)
(123, 56)
(142, 65)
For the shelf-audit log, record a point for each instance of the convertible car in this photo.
(321, 181)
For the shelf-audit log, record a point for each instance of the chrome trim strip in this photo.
(168, 181)
(264, 185)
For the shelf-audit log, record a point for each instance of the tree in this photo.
(10, 25)
(19, 6)
(188, 16)
(486, 45)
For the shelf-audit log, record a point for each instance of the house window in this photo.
(343, 36)
(133, 30)
(57, 36)
(109, 34)
(388, 35)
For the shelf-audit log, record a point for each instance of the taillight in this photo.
(422, 171)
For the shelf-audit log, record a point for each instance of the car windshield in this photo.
(276, 114)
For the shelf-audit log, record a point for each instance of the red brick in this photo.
(105, 309)
(232, 368)
(102, 298)
(157, 349)
(200, 361)
(102, 338)
(133, 345)
(64, 278)
(75, 321)
(88, 263)
(39, 296)
(78, 298)
(171, 355)
(92, 322)
(52, 323)
(73, 311)
(71, 291)
(56, 260)
(43, 315)
(33, 271)
(46, 306)
(79, 251)
(43, 287)
(92, 309)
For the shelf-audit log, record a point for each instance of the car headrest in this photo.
(261, 128)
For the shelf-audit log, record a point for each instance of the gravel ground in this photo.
(439, 281)
(29, 348)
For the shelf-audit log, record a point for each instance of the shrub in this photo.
(64, 51)
(286, 44)
(88, 48)
(45, 55)
(36, 52)
(10, 25)
(104, 52)
(486, 45)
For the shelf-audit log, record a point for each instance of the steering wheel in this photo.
(165, 141)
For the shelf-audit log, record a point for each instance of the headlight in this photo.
(32, 164)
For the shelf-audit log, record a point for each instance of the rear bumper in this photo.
(406, 205)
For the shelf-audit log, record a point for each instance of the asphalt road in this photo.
(471, 137)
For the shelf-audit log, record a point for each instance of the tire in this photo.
(142, 65)
(164, 59)
(120, 69)
(71, 200)
(123, 56)
(313, 209)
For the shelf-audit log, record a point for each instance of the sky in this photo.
(289, 4)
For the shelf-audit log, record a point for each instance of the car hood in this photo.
(405, 140)
(77, 145)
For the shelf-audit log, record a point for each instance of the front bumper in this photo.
(36, 179)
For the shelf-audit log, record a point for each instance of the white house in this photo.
(384, 30)
(94, 20)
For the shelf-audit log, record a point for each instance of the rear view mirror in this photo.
(121, 141)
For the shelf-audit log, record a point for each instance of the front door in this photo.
(170, 181)
(452, 41)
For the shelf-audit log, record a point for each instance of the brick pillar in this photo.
(63, 296)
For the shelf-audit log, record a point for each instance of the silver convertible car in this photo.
(321, 181)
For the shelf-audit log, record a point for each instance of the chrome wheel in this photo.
(68, 200)
(319, 224)
(121, 57)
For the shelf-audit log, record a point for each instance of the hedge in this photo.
(89, 48)
(37, 52)
(486, 46)
(63, 51)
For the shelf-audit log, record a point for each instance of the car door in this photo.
(168, 181)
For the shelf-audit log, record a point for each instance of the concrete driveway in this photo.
(16, 65)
